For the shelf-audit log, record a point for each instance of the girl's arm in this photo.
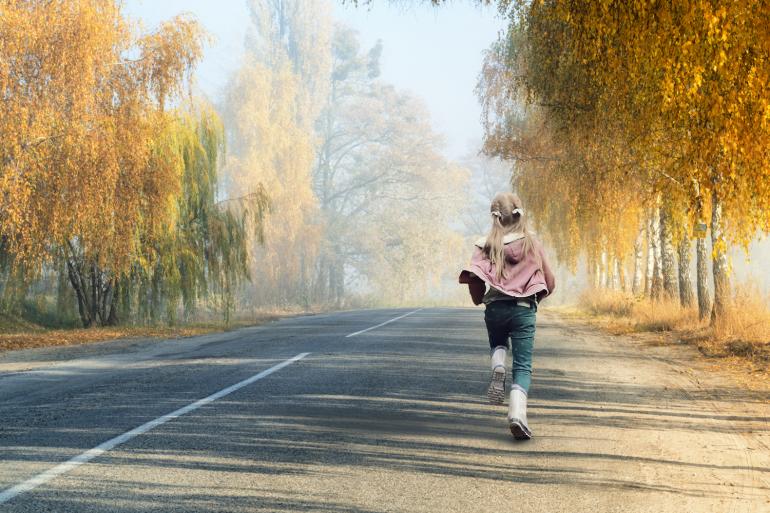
(476, 286)
(550, 279)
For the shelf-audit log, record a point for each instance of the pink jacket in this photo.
(524, 274)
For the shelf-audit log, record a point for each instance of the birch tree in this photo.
(681, 88)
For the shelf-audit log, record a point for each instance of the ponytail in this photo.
(507, 217)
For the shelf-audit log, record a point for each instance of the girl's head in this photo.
(507, 217)
(507, 212)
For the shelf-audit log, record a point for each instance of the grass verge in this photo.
(739, 340)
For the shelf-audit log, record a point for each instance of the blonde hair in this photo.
(508, 216)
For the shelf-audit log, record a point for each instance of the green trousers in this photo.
(512, 325)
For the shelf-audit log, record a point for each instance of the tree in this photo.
(204, 253)
(678, 86)
(84, 104)
(270, 110)
(386, 194)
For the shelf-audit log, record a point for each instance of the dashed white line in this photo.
(382, 323)
(100, 449)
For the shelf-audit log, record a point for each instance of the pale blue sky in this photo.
(435, 53)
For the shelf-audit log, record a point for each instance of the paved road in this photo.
(390, 420)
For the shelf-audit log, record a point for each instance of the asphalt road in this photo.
(393, 419)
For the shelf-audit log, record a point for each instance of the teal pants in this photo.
(513, 326)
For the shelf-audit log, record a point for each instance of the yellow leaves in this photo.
(697, 81)
(169, 53)
(678, 94)
(271, 108)
(81, 114)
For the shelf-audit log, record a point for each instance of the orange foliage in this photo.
(82, 108)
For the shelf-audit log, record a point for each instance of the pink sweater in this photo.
(525, 275)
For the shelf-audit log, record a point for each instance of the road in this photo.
(392, 419)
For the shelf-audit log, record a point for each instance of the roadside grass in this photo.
(20, 334)
(741, 338)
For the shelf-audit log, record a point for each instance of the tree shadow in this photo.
(374, 406)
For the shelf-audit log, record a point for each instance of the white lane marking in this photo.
(100, 449)
(382, 323)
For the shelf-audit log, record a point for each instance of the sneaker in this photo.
(496, 390)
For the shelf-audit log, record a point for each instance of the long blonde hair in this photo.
(508, 216)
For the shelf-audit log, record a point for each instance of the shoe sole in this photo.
(496, 390)
(519, 431)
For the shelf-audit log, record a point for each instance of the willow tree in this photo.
(84, 102)
(202, 254)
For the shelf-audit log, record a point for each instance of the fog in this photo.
(432, 56)
(292, 155)
(396, 81)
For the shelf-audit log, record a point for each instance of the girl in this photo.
(509, 273)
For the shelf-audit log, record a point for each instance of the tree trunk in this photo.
(339, 283)
(112, 317)
(719, 260)
(616, 279)
(657, 272)
(64, 305)
(106, 293)
(80, 292)
(686, 298)
(702, 278)
(322, 280)
(96, 295)
(604, 276)
(94, 304)
(668, 260)
(650, 264)
(701, 261)
(597, 275)
(622, 275)
(636, 286)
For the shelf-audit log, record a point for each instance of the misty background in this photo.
(434, 54)
(290, 155)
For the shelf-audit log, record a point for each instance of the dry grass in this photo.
(741, 335)
(744, 330)
(625, 312)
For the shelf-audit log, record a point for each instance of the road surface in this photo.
(391, 419)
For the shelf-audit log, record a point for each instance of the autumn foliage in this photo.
(84, 101)
(633, 126)
(107, 179)
(120, 205)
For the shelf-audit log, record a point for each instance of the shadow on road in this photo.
(405, 402)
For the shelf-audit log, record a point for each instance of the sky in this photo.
(433, 52)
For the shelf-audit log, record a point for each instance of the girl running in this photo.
(509, 273)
